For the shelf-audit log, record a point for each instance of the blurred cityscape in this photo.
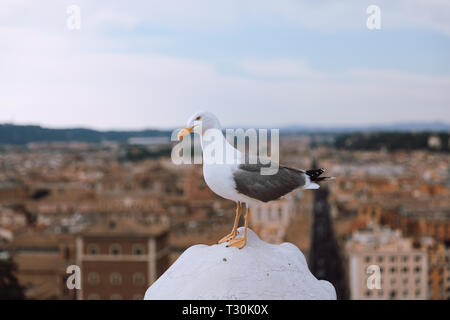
(123, 212)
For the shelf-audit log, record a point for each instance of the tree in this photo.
(10, 289)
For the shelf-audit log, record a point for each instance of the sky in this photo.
(152, 64)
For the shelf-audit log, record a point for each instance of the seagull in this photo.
(240, 180)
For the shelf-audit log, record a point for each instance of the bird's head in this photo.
(199, 123)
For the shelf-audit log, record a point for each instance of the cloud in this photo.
(123, 90)
(433, 14)
(57, 77)
(230, 15)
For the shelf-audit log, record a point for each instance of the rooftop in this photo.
(122, 227)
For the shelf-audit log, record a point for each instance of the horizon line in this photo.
(285, 126)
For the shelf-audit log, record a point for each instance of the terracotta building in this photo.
(419, 223)
(447, 274)
(194, 186)
(436, 269)
(42, 260)
(120, 258)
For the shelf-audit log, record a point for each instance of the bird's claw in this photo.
(238, 243)
(228, 237)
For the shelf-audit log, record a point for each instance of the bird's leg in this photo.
(240, 242)
(236, 222)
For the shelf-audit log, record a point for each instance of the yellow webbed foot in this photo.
(228, 237)
(238, 243)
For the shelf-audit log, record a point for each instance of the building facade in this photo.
(42, 260)
(436, 268)
(447, 274)
(119, 259)
(403, 268)
(271, 220)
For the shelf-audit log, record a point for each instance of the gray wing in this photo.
(251, 183)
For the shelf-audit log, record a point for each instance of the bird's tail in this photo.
(313, 176)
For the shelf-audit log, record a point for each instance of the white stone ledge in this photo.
(258, 271)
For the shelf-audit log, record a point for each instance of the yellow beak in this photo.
(184, 132)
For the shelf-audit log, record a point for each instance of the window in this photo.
(393, 258)
(393, 294)
(368, 293)
(138, 278)
(93, 278)
(393, 280)
(115, 249)
(417, 269)
(93, 249)
(93, 296)
(405, 269)
(418, 258)
(405, 292)
(368, 259)
(116, 278)
(417, 292)
(405, 281)
(67, 253)
(138, 249)
(380, 259)
(393, 270)
(116, 296)
(405, 258)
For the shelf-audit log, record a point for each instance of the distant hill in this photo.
(432, 141)
(23, 134)
(19, 134)
(405, 127)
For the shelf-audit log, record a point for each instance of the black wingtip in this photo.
(315, 173)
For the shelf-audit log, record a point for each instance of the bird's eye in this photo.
(198, 118)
